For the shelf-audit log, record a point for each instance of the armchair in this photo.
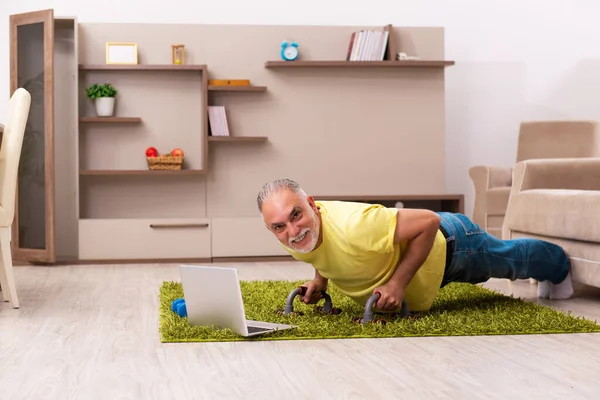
(558, 200)
(537, 140)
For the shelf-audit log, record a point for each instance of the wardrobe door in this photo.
(32, 68)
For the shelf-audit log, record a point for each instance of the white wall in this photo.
(521, 60)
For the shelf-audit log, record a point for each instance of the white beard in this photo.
(314, 234)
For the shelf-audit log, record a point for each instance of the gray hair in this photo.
(276, 186)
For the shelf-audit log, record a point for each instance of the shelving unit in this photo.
(125, 81)
(285, 119)
(441, 202)
(359, 64)
(122, 203)
(236, 89)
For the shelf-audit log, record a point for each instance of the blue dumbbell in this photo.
(178, 306)
(175, 303)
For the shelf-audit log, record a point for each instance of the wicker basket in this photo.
(164, 163)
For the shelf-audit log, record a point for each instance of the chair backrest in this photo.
(558, 139)
(10, 152)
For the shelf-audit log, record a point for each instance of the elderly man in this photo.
(403, 254)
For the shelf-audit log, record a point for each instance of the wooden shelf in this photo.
(388, 197)
(237, 139)
(111, 119)
(359, 64)
(141, 67)
(452, 202)
(217, 88)
(134, 172)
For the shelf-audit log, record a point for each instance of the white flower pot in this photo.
(105, 106)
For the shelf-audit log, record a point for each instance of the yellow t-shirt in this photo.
(358, 253)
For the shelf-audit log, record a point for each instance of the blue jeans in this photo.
(478, 256)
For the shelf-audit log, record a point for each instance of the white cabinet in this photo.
(144, 239)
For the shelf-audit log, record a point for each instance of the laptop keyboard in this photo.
(254, 329)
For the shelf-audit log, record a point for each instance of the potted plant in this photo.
(104, 98)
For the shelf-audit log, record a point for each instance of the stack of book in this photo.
(368, 45)
(217, 119)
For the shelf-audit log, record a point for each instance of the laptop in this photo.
(213, 297)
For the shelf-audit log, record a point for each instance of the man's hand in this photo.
(391, 296)
(313, 290)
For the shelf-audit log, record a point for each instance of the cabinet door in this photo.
(32, 68)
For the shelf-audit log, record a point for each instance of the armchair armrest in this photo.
(488, 177)
(485, 178)
(557, 173)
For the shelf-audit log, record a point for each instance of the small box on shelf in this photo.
(229, 82)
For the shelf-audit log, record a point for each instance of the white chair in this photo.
(10, 156)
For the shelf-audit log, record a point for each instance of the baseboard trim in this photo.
(253, 259)
(160, 261)
(135, 261)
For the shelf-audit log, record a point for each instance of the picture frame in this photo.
(121, 53)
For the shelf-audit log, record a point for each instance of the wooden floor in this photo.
(90, 332)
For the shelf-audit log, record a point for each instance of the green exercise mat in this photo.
(459, 310)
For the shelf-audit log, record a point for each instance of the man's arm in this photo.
(318, 276)
(418, 228)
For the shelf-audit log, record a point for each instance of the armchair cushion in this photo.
(560, 213)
